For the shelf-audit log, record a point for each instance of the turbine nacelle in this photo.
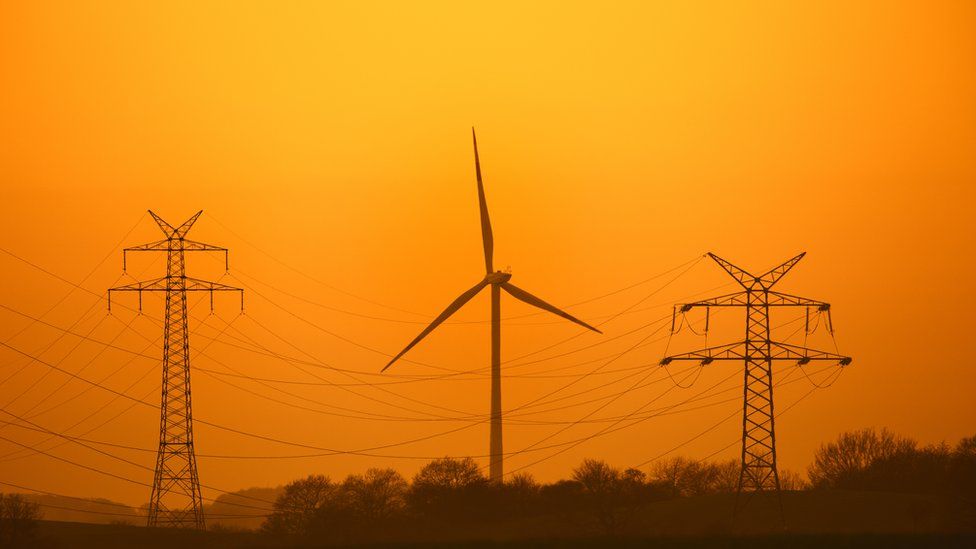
(497, 278)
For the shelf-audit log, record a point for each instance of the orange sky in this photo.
(618, 142)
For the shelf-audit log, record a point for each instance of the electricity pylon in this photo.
(498, 281)
(758, 351)
(175, 500)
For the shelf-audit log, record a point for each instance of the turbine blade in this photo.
(522, 295)
(450, 310)
(486, 237)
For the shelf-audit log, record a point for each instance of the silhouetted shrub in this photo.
(363, 507)
(376, 496)
(299, 506)
(448, 489)
(682, 476)
(841, 464)
(881, 461)
(18, 521)
(603, 492)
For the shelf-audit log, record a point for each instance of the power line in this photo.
(460, 322)
(613, 427)
(86, 277)
(782, 382)
(366, 452)
(107, 454)
(112, 400)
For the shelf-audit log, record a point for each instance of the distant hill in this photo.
(229, 511)
(90, 510)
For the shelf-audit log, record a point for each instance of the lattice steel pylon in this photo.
(758, 351)
(175, 500)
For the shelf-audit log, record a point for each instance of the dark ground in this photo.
(815, 519)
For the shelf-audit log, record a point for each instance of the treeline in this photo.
(453, 496)
(451, 499)
(879, 460)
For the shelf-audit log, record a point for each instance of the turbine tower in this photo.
(175, 500)
(498, 281)
(758, 472)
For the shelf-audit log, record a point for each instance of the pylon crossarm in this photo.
(738, 299)
(778, 299)
(157, 246)
(185, 245)
(197, 285)
(185, 227)
(155, 285)
(773, 276)
(163, 225)
(740, 275)
(194, 246)
(168, 245)
(741, 299)
(803, 355)
(190, 285)
(731, 351)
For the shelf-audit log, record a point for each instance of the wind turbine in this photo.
(498, 281)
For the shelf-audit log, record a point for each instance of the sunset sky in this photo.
(329, 147)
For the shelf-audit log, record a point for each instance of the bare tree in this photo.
(523, 483)
(597, 477)
(18, 520)
(966, 447)
(376, 495)
(445, 489)
(296, 509)
(791, 480)
(853, 452)
(632, 474)
(521, 491)
(700, 478)
(726, 478)
(672, 474)
(603, 490)
(449, 473)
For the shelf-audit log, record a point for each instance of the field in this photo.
(815, 519)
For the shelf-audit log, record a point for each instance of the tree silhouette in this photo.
(447, 489)
(671, 474)
(298, 507)
(791, 480)
(602, 490)
(375, 496)
(449, 473)
(18, 521)
(837, 464)
(450, 499)
(962, 467)
(521, 493)
(726, 478)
